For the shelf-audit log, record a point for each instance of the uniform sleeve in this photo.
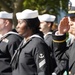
(62, 66)
(48, 41)
(41, 57)
(13, 44)
(60, 49)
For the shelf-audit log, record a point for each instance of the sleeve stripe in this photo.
(59, 41)
(42, 63)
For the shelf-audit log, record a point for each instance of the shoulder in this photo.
(14, 38)
(38, 42)
(48, 37)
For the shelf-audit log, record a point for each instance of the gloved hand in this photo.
(54, 73)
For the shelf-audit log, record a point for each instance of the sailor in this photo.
(33, 53)
(9, 41)
(65, 54)
(46, 23)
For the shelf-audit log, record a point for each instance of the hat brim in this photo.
(71, 15)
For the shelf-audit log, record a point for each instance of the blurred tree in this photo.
(12, 6)
(43, 6)
(47, 6)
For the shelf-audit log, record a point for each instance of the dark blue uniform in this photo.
(8, 45)
(65, 56)
(49, 41)
(32, 58)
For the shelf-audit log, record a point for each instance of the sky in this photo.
(73, 2)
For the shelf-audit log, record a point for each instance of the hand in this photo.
(54, 73)
(64, 26)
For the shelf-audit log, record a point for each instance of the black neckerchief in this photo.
(15, 58)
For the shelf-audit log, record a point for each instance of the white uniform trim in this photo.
(36, 36)
(11, 32)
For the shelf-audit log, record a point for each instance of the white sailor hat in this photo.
(6, 15)
(47, 18)
(71, 7)
(71, 12)
(27, 14)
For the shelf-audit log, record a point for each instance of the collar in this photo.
(49, 33)
(5, 35)
(35, 35)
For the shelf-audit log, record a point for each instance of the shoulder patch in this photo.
(41, 55)
(5, 40)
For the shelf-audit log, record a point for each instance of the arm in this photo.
(14, 41)
(59, 46)
(42, 59)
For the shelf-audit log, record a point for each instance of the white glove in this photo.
(54, 73)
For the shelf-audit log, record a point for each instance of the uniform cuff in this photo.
(59, 38)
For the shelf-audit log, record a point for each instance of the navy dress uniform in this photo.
(65, 55)
(60, 48)
(71, 52)
(65, 49)
(48, 33)
(8, 44)
(49, 41)
(32, 56)
(49, 19)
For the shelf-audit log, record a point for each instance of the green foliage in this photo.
(65, 5)
(46, 6)
(43, 6)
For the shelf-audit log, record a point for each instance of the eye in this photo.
(20, 22)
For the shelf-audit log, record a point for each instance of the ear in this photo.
(6, 22)
(49, 24)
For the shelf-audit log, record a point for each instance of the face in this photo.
(2, 25)
(44, 27)
(22, 28)
(72, 25)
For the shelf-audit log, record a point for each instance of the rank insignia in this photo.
(41, 56)
(5, 40)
